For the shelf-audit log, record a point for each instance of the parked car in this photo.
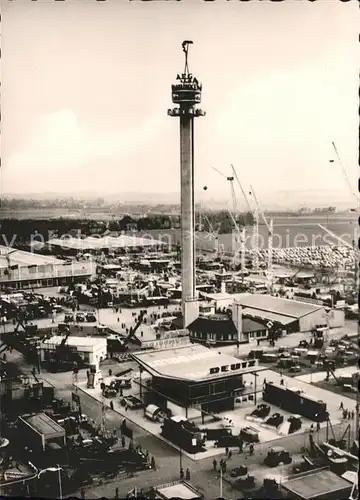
(132, 402)
(277, 455)
(261, 411)
(239, 471)
(246, 482)
(90, 317)
(275, 420)
(80, 317)
(295, 369)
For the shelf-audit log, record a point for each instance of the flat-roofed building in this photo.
(322, 484)
(195, 376)
(291, 315)
(91, 350)
(40, 430)
(19, 269)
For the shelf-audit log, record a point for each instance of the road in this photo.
(166, 457)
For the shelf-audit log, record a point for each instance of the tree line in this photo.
(19, 232)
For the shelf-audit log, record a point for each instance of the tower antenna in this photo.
(185, 47)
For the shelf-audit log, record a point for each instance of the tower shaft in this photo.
(188, 280)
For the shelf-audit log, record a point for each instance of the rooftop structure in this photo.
(277, 305)
(318, 484)
(80, 342)
(44, 425)
(11, 257)
(106, 242)
(177, 489)
(192, 363)
(19, 269)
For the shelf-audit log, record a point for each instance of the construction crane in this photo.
(343, 169)
(347, 245)
(270, 229)
(240, 233)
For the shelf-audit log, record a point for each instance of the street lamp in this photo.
(54, 469)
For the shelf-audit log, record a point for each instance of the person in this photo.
(282, 381)
(341, 407)
(187, 474)
(152, 463)
(227, 451)
(345, 413)
(352, 414)
(318, 426)
(123, 442)
(251, 449)
(311, 428)
(229, 455)
(241, 446)
(181, 474)
(214, 464)
(111, 405)
(116, 492)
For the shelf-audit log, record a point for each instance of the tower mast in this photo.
(186, 93)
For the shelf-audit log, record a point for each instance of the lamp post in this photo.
(221, 483)
(54, 469)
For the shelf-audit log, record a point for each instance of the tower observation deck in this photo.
(186, 93)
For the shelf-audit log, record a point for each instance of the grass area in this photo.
(336, 389)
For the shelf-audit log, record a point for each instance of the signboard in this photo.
(166, 343)
(269, 324)
(234, 367)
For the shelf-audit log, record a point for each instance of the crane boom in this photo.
(260, 211)
(241, 188)
(345, 173)
(218, 171)
(330, 233)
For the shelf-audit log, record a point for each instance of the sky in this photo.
(86, 87)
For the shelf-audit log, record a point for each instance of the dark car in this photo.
(91, 317)
(275, 420)
(246, 482)
(132, 402)
(276, 456)
(239, 471)
(80, 317)
(261, 411)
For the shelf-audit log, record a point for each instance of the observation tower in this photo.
(186, 93)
